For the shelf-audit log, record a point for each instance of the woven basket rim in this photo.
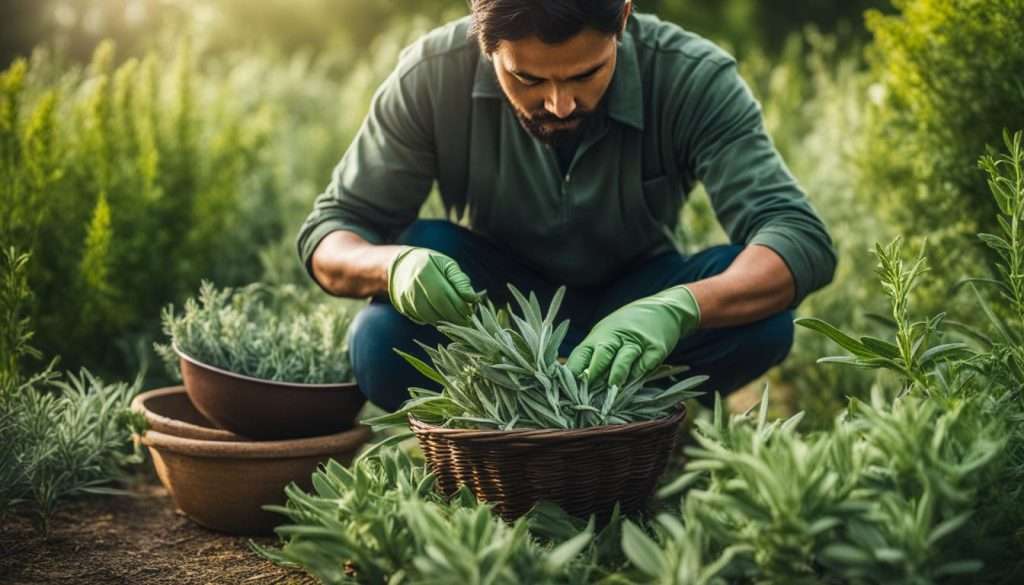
(549, 434)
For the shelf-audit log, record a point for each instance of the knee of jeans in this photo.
(436, 234)
(769, 341)
(378, 370)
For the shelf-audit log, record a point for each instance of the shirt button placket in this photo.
(565, 197)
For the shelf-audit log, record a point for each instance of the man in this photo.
(566, 135)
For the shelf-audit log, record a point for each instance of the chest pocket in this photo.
(661, 199)
(663, 194)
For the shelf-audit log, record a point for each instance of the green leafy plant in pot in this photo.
(516, 426)
(259, 362)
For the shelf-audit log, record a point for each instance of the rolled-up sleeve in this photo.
(755, 197)
(378, 187)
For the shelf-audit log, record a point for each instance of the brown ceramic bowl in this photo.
(265, 409)
(224, 485)
(169, 411)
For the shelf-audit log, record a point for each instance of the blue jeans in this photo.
(731, 356)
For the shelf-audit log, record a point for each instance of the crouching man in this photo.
(564, 137)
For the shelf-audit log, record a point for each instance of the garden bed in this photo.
(139, 539)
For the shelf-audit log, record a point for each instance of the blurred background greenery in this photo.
(147, 144)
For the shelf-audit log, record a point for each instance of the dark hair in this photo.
(553, 21)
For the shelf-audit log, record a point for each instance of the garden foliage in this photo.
(62, 435)
(382, 521)
(749, 26)
(127, 185)
(920, 484)
(271, 333)
(948, 81)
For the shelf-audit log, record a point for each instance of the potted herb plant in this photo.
(262, 362)
(514, 424)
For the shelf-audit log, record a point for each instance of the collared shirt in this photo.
(676, 113)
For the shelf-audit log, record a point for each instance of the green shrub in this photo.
(948, 82)
(270, 333)
(919, 484)
(751, 26)
(60, 437)
(876, 499)
(127, 185)
(381, 521)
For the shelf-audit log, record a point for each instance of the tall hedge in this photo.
(949, 80)
(126, 185)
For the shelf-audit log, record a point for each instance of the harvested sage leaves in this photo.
(501, 371)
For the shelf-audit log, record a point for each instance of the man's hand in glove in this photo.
(632, 341)
(428, 286)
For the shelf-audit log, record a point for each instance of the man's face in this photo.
(553, 88)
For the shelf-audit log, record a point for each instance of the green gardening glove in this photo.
(428, 286)
(632, 341)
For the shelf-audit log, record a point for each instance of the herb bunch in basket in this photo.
(501, 371)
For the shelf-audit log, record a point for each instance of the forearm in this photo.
(756, 285)
(346, 265)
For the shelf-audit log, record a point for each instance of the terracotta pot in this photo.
(223, 484)
(169, 411)
(265, 409)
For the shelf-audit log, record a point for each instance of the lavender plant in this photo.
(501, 371)
(254, 332)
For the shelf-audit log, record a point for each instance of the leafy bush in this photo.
(127, 186)
(920, 484)
(381, 521)
(494, 375)
(262, 332)
(949, 82)
(60, 437)
(875, 500)
(61, 443)
(749, 26)
(882, 496)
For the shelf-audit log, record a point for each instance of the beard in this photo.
(539, 124)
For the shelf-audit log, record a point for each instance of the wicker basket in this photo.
(585, 471)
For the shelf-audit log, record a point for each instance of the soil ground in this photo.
(139, 540)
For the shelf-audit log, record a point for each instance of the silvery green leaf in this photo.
(556, 560)
(421, 366)
(553, 345)
(642, 551)
(959, 568)
(609, 400)
(556, 304)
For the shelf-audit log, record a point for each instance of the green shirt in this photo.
(676, 113)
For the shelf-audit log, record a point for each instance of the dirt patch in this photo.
(137, 540)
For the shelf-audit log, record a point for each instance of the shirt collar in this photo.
(625, 92)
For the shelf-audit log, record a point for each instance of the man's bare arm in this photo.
(348, 266)
(757, 284)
